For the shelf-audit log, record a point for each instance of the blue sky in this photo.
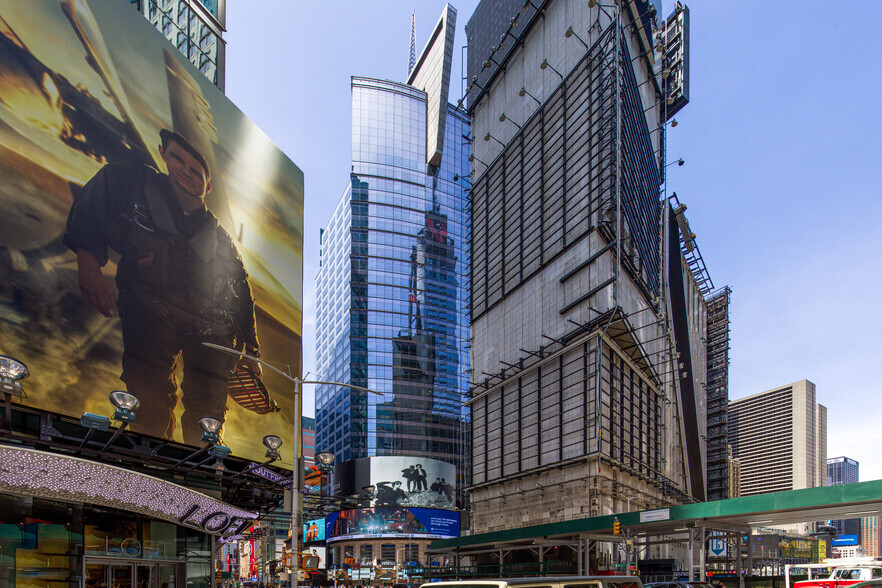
(780, 140)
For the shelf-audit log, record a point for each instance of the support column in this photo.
(691, 554)
(580, 557)
(738, 559)
(702, 553)
(213, 547)
(750, 553)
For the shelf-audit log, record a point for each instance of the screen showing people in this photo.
(142, 215)
(399, 481)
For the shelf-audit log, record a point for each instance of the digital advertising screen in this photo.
(399, 481)
(843, 540)
(395, 522)
(141, 216)
(314, 530)
(320, 552)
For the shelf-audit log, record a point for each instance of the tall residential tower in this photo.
(780, 437)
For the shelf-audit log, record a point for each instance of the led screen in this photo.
(314, 530)
(367, 523)
(405, 481)
(845, 540)
(121, 252)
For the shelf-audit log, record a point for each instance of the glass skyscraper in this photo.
(195, 27)
(392, 307)
(844, 470)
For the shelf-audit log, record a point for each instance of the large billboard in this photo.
(396, 522)
(398, 481)
(142, 215)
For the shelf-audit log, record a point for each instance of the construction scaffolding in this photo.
(717, 393)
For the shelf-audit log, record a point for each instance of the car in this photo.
(544, 582)
(680, 584)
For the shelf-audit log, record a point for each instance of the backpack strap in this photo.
(155, 200)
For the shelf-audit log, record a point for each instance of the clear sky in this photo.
(780, 140)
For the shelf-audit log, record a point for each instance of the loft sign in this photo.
(217, 522)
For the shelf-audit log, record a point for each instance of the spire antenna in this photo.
(412, 62)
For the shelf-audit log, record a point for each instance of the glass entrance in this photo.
(97, 575)
(145, 577)
(128, 574)
(121, 575)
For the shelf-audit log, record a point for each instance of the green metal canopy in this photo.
(736, 514)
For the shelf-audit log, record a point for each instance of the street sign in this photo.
(717, 547)
(268, 474)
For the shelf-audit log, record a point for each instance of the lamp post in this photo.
(296, 496)
(398, 566)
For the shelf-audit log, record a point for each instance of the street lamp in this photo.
(11, 372)
(296, 496)
(398, 565)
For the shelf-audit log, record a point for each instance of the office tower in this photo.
(392, 299)
(844, 470)
(393, 285)
(871, 535)
(718, 394)
(780, 436)
(588, 310)
(734, 474)
(195, 27)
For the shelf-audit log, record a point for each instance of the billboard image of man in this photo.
(180, 280)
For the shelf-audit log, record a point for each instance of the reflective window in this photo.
(392, 291)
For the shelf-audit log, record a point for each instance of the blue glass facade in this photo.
(844, 470)
(392, 291)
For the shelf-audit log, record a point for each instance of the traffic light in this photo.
(309, 562)
(617, 527)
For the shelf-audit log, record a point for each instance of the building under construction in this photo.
(588, 291)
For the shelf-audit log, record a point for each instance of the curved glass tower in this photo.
(392, 308)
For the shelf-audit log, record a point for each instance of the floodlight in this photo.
(126, 404)
(98, 422)
(211, 426)
(11, 371)
(325, 458)
(12, 368)
(272, 443)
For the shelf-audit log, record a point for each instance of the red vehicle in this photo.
(845, 573)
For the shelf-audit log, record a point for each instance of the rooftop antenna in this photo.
(412, 62)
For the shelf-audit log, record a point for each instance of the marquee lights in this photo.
(48, 475)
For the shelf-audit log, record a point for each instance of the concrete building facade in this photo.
(871, 536)
(780, 437)
(588, 317)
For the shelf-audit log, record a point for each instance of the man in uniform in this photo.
(180, 279)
